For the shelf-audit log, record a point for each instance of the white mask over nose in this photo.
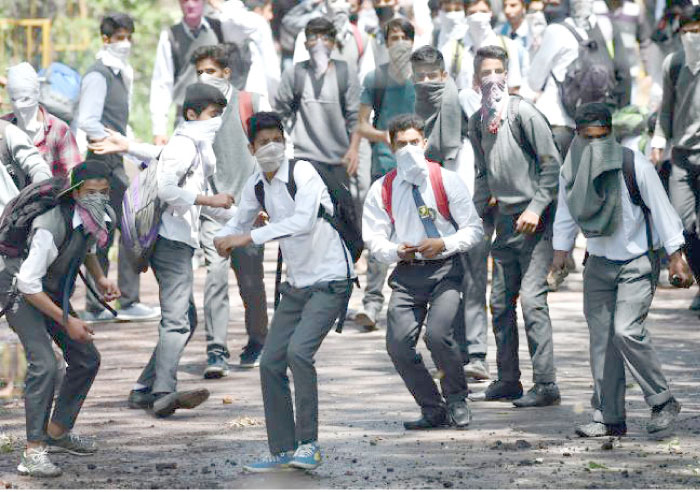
(222, 84)
(270, 156)
(23, 89)
(120, 50)
(411, 164)
(479, 25)
(450, 20)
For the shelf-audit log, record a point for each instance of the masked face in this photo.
(220, 83)
(493, 89)
(270, 156)
(581, 10)
(120, 49)
(691, 47)
(320, 54)
(554, 12)
(91, 208)
(537, 23)
(26, 110)
(410, 162)
(450, 20)
(479, 25)
(400, 60)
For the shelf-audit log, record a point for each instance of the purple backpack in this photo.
(142, 211)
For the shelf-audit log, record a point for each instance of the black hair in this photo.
(690, 13)
(215, 52)
(114, 21)
(199, 96)
(89, 169)
(593, 114)
(404, 122)
(263, 120)
(320, 26)
(401, 24)
(490, 53)
(469, 3)
(427, 55)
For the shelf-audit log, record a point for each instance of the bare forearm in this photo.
(371, 133)
(94, 267)
(43, 303)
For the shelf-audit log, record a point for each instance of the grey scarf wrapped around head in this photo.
(591, 174)
(438, 104)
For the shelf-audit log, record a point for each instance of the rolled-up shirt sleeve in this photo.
(42, 252)
(470, 231)
(377, 229)
(245, 214)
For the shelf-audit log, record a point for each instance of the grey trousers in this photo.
(616, 300)
(248, 266)
(427, 293)
(373, 299)
(301, 321)
(36, 331)
(684, 192)
(520, 267)
(471, 325)
(172, 265)
(127, 276)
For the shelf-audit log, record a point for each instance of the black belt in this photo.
(438, 262)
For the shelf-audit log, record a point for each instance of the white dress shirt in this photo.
(237, 24)
(629, 241)
(311, 248)
(383, 239)
(42, 253)
(180, 221)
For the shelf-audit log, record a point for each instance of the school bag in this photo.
(142, 211)
(59, 90)
(437, 185)
(343, 220)
(590, 77)
(633, 189)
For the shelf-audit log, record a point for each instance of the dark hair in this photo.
(264, 120)
(593, 114)
(114, 21)
(215, 52)
(427, 55)
(320, 26)
(690, 13)
(450, 1)
(490, 53)
(404, 122)
(469, 3)
(400, 24)
(199, 96)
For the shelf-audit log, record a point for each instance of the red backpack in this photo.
(435, 175)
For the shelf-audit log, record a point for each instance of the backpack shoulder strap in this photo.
(300, 70)
(677, 61)
(633, 189)
(245, 108)
(291, 184)
(341, 76)
(516, 126)
(260, 194)
(443, 205)
(387, 186)
(357, 34)
(216, 27)
(572, 30)
(5, 155)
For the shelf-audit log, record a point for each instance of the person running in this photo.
(319, 285)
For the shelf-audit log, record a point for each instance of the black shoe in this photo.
(459, 413)
(217, 367)
(663, 416)
(141, 399)
(599, 429)
(540, 395)
(504, 390)
(250, 357)
(426, 422)
(165, 404)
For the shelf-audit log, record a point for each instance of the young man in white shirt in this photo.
(622, 267)
(422, 216)
(189, 154)
(316, 293)
(36, 296)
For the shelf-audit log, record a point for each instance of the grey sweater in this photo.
(507, 172)
(321, 131)
(679, 114)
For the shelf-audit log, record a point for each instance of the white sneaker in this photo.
(36, 463)
(138, 312)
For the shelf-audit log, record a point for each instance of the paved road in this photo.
(363, 403)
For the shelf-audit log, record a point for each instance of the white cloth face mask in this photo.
(270, 156)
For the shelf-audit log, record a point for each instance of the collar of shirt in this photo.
(523, 31)
(193, 33)
(282, 173)
(77, 221)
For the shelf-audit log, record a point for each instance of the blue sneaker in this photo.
(307, 456)
(272, 463)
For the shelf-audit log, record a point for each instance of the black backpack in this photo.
(344, 220)
(591, 76)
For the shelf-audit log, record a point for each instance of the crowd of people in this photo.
(431, 135)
